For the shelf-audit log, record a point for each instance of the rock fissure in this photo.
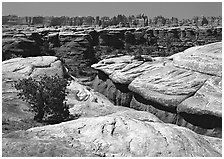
(193, 93)
(104, 129)
(172, 92)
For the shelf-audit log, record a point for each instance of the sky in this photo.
(151, 9)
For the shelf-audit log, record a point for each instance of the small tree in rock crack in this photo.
(46, 97)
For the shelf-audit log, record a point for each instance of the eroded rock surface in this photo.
(16, 113)
(24, 67)
(207, 100)
(102, 129)
(205, 59)
(116, 135)
(168, 85)
(184, 88)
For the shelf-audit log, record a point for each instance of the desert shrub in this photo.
(46, 97)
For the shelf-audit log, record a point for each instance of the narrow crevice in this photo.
(113, 128)
(102, 76)
(122, 87)
(193, 93)
(203, 124)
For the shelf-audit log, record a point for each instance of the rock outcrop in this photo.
(183, 89)
(102, 128)
(205, 59)
(77, 53)
(19, 47)
(115, 135)
(14, 110)
(81, 47)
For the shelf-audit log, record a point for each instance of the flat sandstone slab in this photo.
(31, 66)
(132, 70)
(108, 66)
(168, 85)
(207, 100)
(205, 59)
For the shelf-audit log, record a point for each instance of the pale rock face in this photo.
(207, 100)
(121, 135)
(32, 66)
(108, 66)
(167, 85)
(83, 101)
(19, 68)
(205, 59)
(187, 84)
(131, 71)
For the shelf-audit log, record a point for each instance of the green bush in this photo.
(46, 97)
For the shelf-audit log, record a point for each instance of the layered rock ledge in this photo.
(103, 129)
(184, 89)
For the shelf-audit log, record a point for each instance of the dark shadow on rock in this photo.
(102, 76)
(204, 121)
(154, 104)
(122, 87)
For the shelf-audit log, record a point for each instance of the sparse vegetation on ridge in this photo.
(46, 97)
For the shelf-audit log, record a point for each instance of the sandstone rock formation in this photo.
(118, 135)
(75, 45)
(32, 66)
(205, 59)
(15, 110)
(77, 53)
(102, 129)
(19, 47)
(184, 89)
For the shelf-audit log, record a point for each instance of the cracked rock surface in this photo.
(116, 135)
(104, 129)
(206, 59)
(186, 84)
(32, 66)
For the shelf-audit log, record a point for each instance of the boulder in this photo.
(115, 135)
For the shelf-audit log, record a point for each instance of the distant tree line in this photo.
(104, 21)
